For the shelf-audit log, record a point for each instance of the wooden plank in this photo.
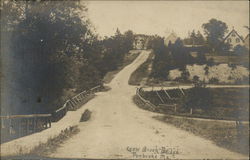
(167, 94)
(95, 88)
(72, 104)
(159, 97)
(182, 91)
(26, 126)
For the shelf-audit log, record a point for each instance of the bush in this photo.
(214, 80)
(240, 50)
(85, 116)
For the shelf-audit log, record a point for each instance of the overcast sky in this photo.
(163, 17)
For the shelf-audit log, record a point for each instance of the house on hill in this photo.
(234, 39)
(171, 38)
(140, 41)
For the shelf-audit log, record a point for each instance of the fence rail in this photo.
(14, 126)
(152, 106)
(147, 102)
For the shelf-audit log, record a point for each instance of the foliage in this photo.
(194, 39)
(53, 50)
(240, 50)
(163, 60)
(215, 31)
(181, 55)
(167, 58)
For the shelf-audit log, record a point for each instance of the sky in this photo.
(163, 17)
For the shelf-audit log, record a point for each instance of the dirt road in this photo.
(119, 129)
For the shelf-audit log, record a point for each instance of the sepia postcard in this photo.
(144, 80)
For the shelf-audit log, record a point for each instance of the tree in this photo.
(128, 39)
(180, 54)
(215, 31)
(194, 38)
(51, 51)
(46, 52)
(162, 62)
(200, 39)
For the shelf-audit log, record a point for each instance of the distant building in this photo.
(246, 41)
(140, 41)
(171, 38)
(234, 39)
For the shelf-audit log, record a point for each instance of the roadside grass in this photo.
(141, 73)
(239, 60)
(129, 58)
(222, 134)
(53, 143)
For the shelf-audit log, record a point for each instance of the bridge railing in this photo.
(153, 107)
(74, 103)
(146, 102)
(14, 126)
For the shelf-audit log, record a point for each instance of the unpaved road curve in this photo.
(117, 123)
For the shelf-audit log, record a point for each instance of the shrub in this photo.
(240, 50)
(214, 80)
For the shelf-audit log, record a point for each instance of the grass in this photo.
(163, 83)
(222, 134)
(129, 58)
(229, 59)
(141, 73)
(225, 103)
(53, 143)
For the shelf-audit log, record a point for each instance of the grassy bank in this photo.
(141, 73)
(211, 103)
(129, 58)
(53, 143)
(222, 134)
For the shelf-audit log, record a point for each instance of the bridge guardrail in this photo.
(151, 105)
(14, 126)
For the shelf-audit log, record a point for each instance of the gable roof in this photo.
(233, 31)
(172, 37)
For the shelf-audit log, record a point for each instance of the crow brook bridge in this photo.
(116, 125)
(15, 126)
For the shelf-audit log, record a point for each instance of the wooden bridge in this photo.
(15, 126)
(163, 97)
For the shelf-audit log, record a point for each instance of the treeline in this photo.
(177, 56)
(51, 52)
(169, 57)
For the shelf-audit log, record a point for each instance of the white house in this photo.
(171, 38)
(140, 41)
(234, 39)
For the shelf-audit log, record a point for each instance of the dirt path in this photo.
(117, 125)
